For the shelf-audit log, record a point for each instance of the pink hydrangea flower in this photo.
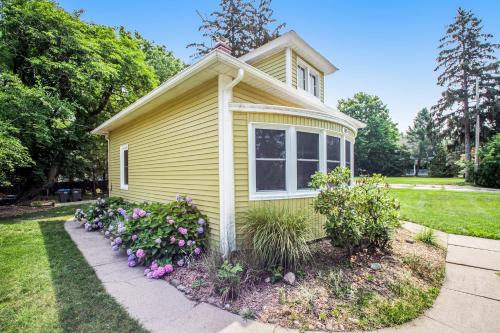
(197, 251)
(141, 213)
(161, 271)
(172, 239)
(181, 243)
(140, 254)
(171, 221)
(149, 275)
(135, 216)
(182, 231)
(168, 268)
(154, 266)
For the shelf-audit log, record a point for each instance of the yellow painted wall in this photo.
(294, 75)
(274, 65)
(173, 149)
(241, 121)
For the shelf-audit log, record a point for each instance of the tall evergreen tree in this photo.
(241, 24)
(466, 54)
(422, 138)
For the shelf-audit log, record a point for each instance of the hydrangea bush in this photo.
(159, 236)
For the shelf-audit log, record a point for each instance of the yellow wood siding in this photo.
(173, 149)
(241, 121)
(274, 65)
(294, 75)
(243, 93)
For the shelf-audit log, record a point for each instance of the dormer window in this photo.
(308, 79)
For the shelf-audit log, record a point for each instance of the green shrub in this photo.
(228, 280)
(427, 236)
(488, 173)
(357, 216)
(443, 164)
(278, 237)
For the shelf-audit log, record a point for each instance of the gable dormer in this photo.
(291, 60)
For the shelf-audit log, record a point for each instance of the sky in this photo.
(385, 48)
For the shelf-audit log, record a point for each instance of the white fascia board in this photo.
(291, 38)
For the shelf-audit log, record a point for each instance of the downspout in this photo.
(108, 166)
(226, 164)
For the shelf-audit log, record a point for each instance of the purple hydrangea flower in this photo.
(189, 242)
(141, 213)
(154, 266)
(178, 197)
(160, 271)
(118, 240)
(171, 221)
(131, 257)
(134, 237)
(180, 263)
(181, 243)
(96, 220)
(172, 239)
(135, 216)
(197, 251)
(189, 199)
(106, 234)
(140, 253)
(131, 263)
(146, 271)
(120, 224)
(158, 241)
(201, 221)
(168, 268)
(129, 252)
(182, 231)
(149, 275)
(115, 247)
(200, 230)
(111, 228)
(100, 224)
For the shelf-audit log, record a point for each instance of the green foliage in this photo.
(377, 145)
(228, 280)
(276, 274)
(241, 24)
(278, 237)
(60, 78)
(422, 137)
(13, 154)
(357, 216)
(338, 284)
(424, 269)
(427, 236)
(488, 172)
(442, 164)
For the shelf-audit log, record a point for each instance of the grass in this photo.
(463, 213)
(426, 181)
(47, 286)
(427, 236)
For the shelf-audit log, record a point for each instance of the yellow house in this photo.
(233, 133)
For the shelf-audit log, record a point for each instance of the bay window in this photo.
(282, 159)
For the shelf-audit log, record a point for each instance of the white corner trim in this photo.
(226, 164)
(288, 66)
(123, 186)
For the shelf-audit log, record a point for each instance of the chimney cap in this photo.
(222, 45)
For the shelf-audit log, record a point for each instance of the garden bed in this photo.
(332, 293)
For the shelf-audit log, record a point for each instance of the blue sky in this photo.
(386, 48)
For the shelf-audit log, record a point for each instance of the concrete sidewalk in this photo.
(468, 302)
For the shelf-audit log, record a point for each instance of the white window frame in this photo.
(124, 186)
(308, 72)
(291, 160)
(326, 150)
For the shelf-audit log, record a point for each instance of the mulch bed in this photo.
(304, 304)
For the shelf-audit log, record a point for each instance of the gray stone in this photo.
(289, 278)
(410, 240)
(211, 300)
(267, 280)
(376, 266)
(181, 288)
(175, 282)
(227, 306)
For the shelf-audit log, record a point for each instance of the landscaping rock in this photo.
(289, 278)
(409, 240)
(175, 282)
(267, 280)
(181, 288)
(211, 300)
(376, 266)
(227, 306)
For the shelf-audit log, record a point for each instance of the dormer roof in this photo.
(292, 40)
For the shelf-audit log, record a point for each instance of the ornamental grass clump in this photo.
(359, 216)
(277, 237)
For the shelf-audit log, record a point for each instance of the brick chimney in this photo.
(222, 45)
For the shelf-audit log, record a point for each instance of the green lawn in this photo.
(464, 213)
(46, 284)
(425, 181)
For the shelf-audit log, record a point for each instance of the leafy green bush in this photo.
(488, 173)
(357, 216)
(278, 237)
(442, 164)
(228, 280)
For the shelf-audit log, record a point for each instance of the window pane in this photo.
(301, 77)
(270, 175)
(332, 148)
(269, 143)
(347, 152)
(307, 145)
(305, 169)
(125, 167)
(314, 84)
(331, 166)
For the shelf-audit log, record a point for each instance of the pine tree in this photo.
(240, 24)
(422, 137)
(465, 54)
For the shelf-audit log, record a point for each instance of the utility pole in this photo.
(478, 127)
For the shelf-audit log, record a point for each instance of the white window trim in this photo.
(291, 160)
(123, 186)
(308, 71)
(339, 136)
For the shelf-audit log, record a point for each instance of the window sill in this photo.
(282, 195)
(124, 187)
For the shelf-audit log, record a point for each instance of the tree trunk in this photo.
(417, 168)
(32, 189)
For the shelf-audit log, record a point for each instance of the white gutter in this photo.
(226, 164)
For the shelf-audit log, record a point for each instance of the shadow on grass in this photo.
(82, 302)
